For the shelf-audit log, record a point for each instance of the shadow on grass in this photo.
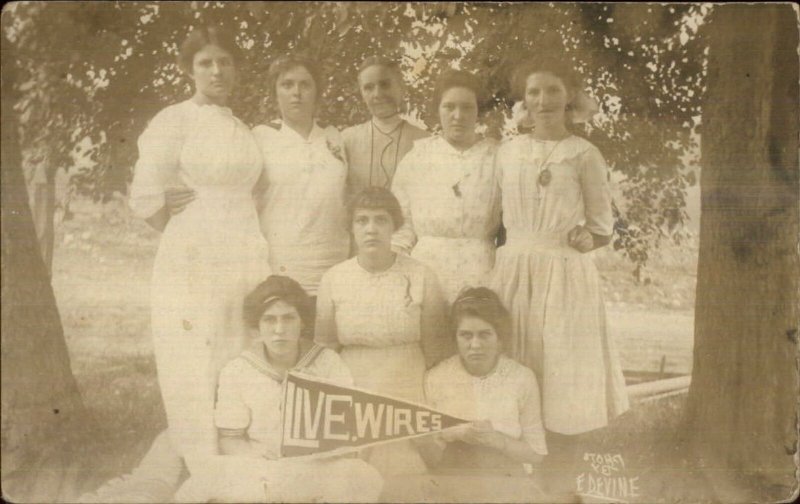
(123, 398)
(650, 441)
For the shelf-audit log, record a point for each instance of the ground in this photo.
(102, 264)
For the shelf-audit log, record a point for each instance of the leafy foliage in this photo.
(95, 73)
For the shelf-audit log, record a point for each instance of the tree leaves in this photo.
(645, 65)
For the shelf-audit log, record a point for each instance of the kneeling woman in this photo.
(482, 384)
(248, 413)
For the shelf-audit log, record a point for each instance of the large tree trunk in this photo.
(41, 184)
(742, 402)
(42, 411)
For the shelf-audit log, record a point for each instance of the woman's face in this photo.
(297, 94)
(478, 345)
(546, 98)
(458, 114)
(214, 74)
(280, 328)
(372, 230)
(382, 90)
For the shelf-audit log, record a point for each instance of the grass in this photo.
(649, 437)
(101, 274)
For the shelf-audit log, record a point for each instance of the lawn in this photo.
(101, 272)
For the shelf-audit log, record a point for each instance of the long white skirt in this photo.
(397, 371)
(457, 262)
(559, 330)
(247, 479)
(210, 256)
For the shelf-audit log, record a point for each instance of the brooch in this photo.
(545, 177)
(335, 150)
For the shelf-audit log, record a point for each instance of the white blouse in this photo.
(577, 191)
(398, 306)
(304, 219)
(250, 394)
(447, 193)
(508, 397)
(202, 146)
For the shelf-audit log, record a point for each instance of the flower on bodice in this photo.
(335, 148)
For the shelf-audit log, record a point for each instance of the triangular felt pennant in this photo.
(320, 417)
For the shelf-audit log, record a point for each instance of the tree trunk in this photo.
(42, 411)
(41, 185)
(742, 401)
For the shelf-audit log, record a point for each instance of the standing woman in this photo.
(374, 148)
(557, 208)
(385, 312)
(304, 215)
(194, 178)
(448, 192)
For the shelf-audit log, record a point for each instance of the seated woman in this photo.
(249, 407)
(385, 312)
(482, 384)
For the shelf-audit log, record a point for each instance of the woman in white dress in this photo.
(385, 312)
(303, 217)
(481, 383)
(447, 188)
(248, 414)
(194, 179)
(556, 209)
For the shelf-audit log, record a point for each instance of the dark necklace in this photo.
(545, 176)
(391, 141)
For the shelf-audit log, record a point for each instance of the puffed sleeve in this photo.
(342, 144)
(335, 145)
(499, 162)
(404, 239)
(261, 187)
(434, 333)
(325, 333)
(231, 415)
(157, 166)
(495, 196)
(596, 192)
(530, 416)
(349, 140)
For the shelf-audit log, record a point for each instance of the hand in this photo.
(456, 433)
(481, 433)
(580, 239)
(177, 197)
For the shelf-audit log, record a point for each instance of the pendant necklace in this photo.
(545, 175)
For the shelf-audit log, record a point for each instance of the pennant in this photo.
(320, 417)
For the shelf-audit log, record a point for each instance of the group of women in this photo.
(391, 267)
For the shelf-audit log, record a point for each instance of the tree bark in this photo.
(743, 399)
(41, 184)
(42, 411)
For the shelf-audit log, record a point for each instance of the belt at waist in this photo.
(550, 243)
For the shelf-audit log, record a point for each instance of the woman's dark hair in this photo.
(458, 78)
(200, 37)
(274, 288)
(375, 198)
(381, 61)
(285, 63)
(482, 303)
(557, 66)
